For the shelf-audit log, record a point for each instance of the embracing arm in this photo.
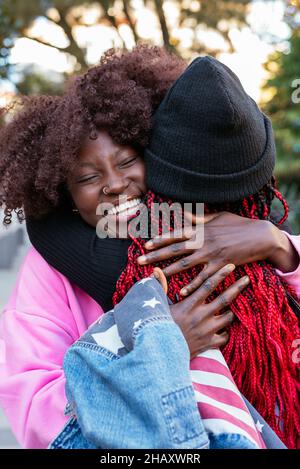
(229, 238)
(94, 264)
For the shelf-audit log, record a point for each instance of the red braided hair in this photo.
(260, 347)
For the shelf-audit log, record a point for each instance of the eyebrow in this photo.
(90, 165)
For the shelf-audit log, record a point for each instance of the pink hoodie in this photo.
(45, 315)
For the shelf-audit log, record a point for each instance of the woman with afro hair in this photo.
(49, 167)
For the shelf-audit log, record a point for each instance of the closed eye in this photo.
(128, 162)
(90, 178)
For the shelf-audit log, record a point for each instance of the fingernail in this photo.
(246, 279)
(141, 259)
(230, 267)
(183, 292)
(149, 244)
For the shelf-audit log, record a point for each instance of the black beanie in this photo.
(210, 142)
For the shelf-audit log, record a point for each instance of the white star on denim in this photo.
(144, 280)
(259, 426)
(137, 323)
(109, 339)
(153, 302)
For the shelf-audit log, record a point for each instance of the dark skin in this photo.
(229, 239)
(201, 323)
(104, 164)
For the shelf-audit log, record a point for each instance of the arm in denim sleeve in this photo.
(130, 387)
(129, 372)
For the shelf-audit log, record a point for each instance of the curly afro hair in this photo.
(40, 144)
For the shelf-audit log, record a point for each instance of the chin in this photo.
(90, 220)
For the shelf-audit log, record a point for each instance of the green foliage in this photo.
(291, 194)
(284, 107)
(34, 83)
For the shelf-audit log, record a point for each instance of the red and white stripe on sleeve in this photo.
(220, 403)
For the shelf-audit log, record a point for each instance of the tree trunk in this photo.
(112, 20)
(126, 8)
(73, 47)
(163, 24)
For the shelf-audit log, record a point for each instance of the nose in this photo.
(116, 184)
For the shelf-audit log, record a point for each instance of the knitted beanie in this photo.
(210, 142)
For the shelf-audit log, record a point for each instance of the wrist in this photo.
(282, 253)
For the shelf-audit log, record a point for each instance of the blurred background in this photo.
(44, 43)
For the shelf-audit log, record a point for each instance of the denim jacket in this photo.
(129, 384)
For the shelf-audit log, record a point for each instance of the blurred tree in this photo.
(218, 16)
(282, 91)
(7, 34)
(31, 81)
(290, 192)
(292, 8)
(283, 107)
(17, 18)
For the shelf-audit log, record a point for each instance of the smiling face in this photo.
(104, 164)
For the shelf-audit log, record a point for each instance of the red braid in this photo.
(260, 347)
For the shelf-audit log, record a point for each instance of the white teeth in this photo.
(122, 207)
